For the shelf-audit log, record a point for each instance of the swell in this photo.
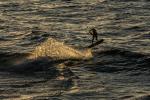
(108, 61)
(9, 59)
(45, 58)
(119, 60)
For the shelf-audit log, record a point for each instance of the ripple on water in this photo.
(112, 73)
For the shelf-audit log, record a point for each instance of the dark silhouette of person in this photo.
(94, 34)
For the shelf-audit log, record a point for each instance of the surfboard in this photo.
(96, 43)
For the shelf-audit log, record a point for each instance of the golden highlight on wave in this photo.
(58, 50)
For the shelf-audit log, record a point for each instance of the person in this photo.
(94, 34)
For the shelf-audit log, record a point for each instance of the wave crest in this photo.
(58, 50)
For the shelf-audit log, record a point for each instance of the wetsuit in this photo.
(93, 32)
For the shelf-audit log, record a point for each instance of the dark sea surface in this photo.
(43, 54)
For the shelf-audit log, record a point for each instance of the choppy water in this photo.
(118, 69)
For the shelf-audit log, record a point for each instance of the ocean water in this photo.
(43, 54)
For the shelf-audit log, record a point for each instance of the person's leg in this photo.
(96, 37)
(92, 39)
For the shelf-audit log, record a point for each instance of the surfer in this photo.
(94, 34)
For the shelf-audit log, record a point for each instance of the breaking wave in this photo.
(57, 50)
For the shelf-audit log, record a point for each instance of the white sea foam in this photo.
(58, 50)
